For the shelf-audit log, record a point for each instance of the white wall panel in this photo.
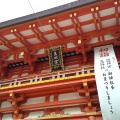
(40, 51)
(68, 96)
(7, 117)
(5, 104)
(35, 100)
(70, 45)
(51, 98)
(10, 57)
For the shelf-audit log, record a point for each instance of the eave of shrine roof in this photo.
(45, 13)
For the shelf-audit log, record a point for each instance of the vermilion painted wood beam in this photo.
(50, 104)
(79, 24)
(75, 37)
(117, 14)
(88, 48)
(52, 92)
(82, 91)
(75, 25)
(6, 42)
(66, 27)
(87, 94)
(37, 35)
(63, 16)
(58, 103)
(59, 29)
(1, 51)
(55, 30)
(48, 86)
(21, 38)
(42, 34)
(97, 21)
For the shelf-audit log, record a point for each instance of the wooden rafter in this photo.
(62, 28)
(117, 4)
(37, 32)
(6, 42)
(73, 18)
(21, 38)
(56, 29)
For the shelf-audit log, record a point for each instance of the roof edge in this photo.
(46, 13)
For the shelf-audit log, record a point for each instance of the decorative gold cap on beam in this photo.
(79, 41)
(49, 21)
(84, 84)
(30, 26)
(70, 15)
(15, 30)
(22, 53)
(11, 94)
(115, 2)
(11, 31)
(89, 104)
(53, 20)
(33, 25)
(92, 9)
(97, 8)
(75, 14)
(87, 94)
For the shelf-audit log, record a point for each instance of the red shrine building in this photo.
(47, 61)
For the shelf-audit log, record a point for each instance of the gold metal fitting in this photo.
(71, 15)
(75, 25)
(30, 26)
(75, 14)
(78, 24)
(16, 112)
(11, 94)
(89, 104)
(115, 2)
(87, 94)
(22, 53)
(33, 25)
(49, 21)
(79, 41)
(15, 30)
(94, 20)
(84, 84)
(6, 42)
(97, 8)
(13, 103)
(58, 30)
(99, 19)
(55, 30)
(116, 14)
(11, 31)
(53, 20)
(92, 9)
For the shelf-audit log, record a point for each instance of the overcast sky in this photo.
(10, 9)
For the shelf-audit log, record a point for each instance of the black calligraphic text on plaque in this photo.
(55, 58)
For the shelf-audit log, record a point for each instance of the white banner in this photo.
(107, 76)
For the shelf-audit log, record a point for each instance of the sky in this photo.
(10, 9)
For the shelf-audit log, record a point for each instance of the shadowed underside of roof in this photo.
(45, 13)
